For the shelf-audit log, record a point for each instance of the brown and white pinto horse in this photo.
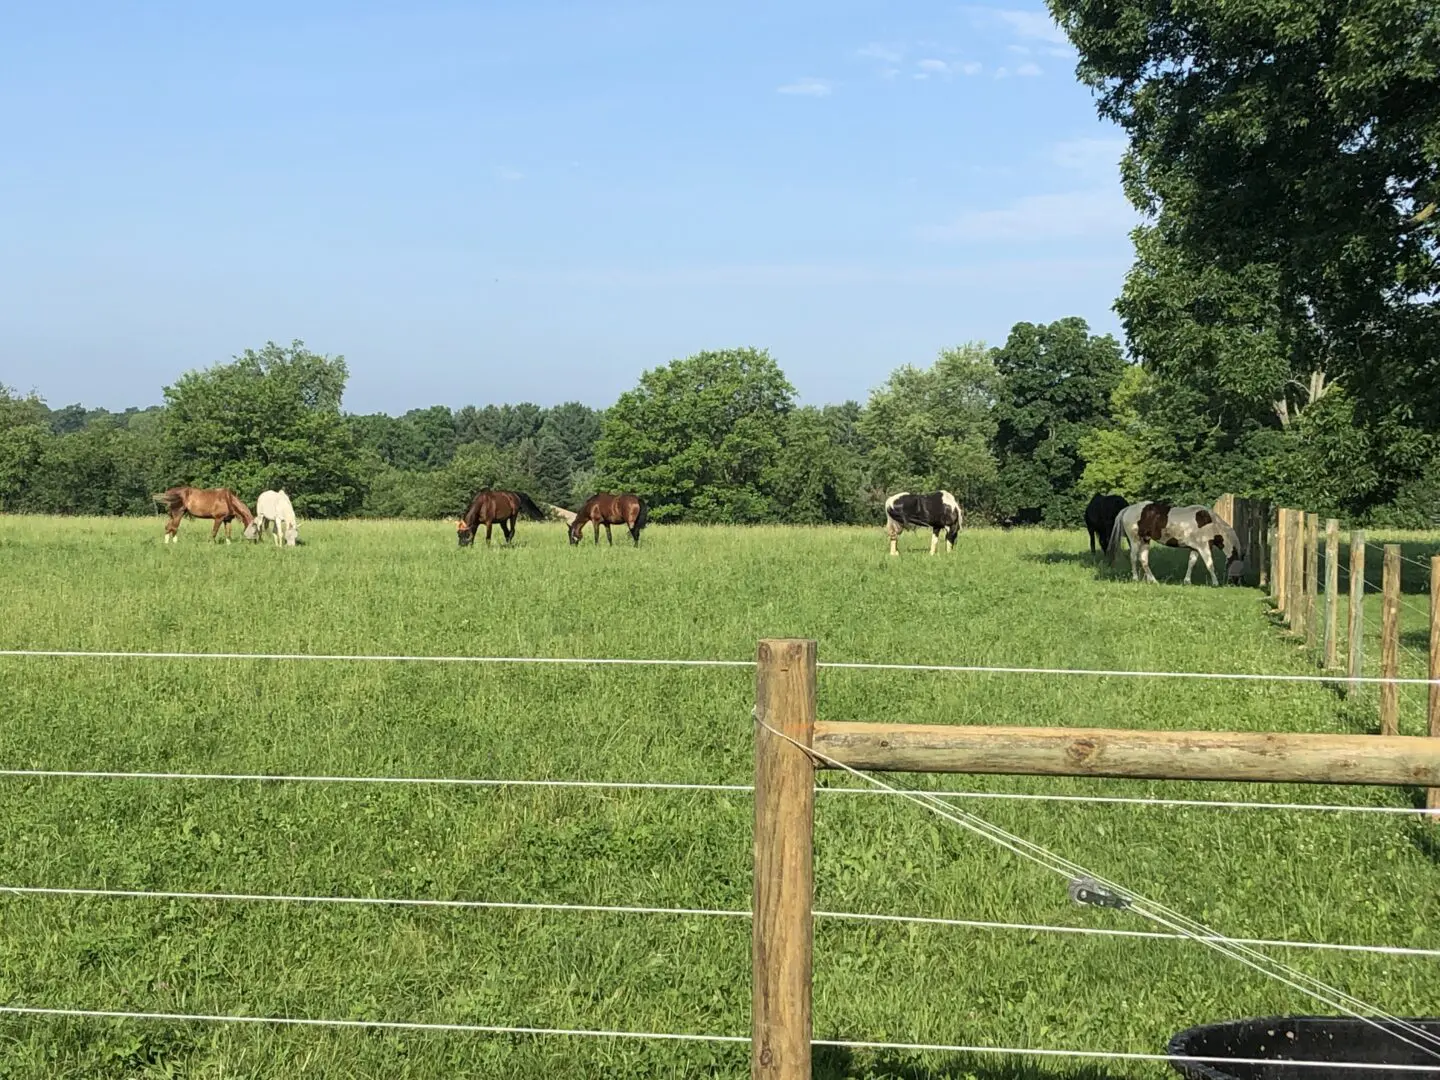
(492, 506)
(607, 509)
(219, 504)
(1196, 527)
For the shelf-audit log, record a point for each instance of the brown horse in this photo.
(492, 506)
(607, 509)
(219, 504)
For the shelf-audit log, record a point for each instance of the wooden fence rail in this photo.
(788, 737)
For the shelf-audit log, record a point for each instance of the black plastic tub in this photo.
(1273, 1040)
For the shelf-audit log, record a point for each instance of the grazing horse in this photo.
(273, 508)
(496, 506)
(1195, 527)
(606, 509)
(935, 510)
(219, 504)
(1100, 518)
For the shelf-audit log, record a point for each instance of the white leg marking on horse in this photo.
(1189, 566)
(934, 542)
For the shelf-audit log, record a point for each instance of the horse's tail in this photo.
(1112, 545)
(528, 507)
(644, 515)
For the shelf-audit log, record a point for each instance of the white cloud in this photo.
(1029, 69)
(970, 67)
(878, 50)
(1096, 159)
(506, 172)
(937, 67)
(1022, 50)
(1002, 72)
(807, 87)
(1073, 215)
(1036, 25)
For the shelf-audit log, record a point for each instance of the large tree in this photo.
(932, 427)
(1055, 387)
(819, 475)
(698, 437)
(1293, 144)
(271, 418)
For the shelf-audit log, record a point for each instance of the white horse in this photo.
(1195, 527)
(273, 508)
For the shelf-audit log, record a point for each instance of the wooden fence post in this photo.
(1260, 528)
(1432, 797)
(1356, 638)
(1332, 588)
(782, 934)
(1296, 603)
(1282, 563)
(1272, 542)
(1390, 642)
(1312, 577)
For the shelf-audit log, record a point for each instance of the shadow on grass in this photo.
(1167, 564)
(840, 1063)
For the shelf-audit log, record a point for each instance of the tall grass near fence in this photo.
(1024, 598)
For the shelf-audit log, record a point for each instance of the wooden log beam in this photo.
(1259, 757)
(782, 930)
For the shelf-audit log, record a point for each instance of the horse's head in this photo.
(252, 531)
(577, 527)
(292, 534)
(464, 533)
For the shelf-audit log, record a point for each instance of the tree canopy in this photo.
(268, 419)
(699, 435)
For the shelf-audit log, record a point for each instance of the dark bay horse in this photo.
(607, 509)
(492, 506)
(219, 504)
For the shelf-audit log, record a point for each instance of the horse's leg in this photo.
(594, 524)
(1209, 564)
(608, 538)
(1190, 565)
(1136, 550)
(934, 539)
(488, 524)
(1145, 561)
(950, 539)
(215, 530)
(508, 528)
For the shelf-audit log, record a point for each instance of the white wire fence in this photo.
(1180, 931)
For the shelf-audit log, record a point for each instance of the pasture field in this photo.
(1025, 598)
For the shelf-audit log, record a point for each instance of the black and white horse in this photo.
(934, 510)
(1100, 518)
(1195, 527)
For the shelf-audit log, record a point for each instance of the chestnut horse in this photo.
(219, 504)
(492, 506)
(606, 509)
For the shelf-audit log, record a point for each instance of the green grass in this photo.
(1027, 598)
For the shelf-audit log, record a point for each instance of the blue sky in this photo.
(488, 202)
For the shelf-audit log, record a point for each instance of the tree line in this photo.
(1023, 432)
